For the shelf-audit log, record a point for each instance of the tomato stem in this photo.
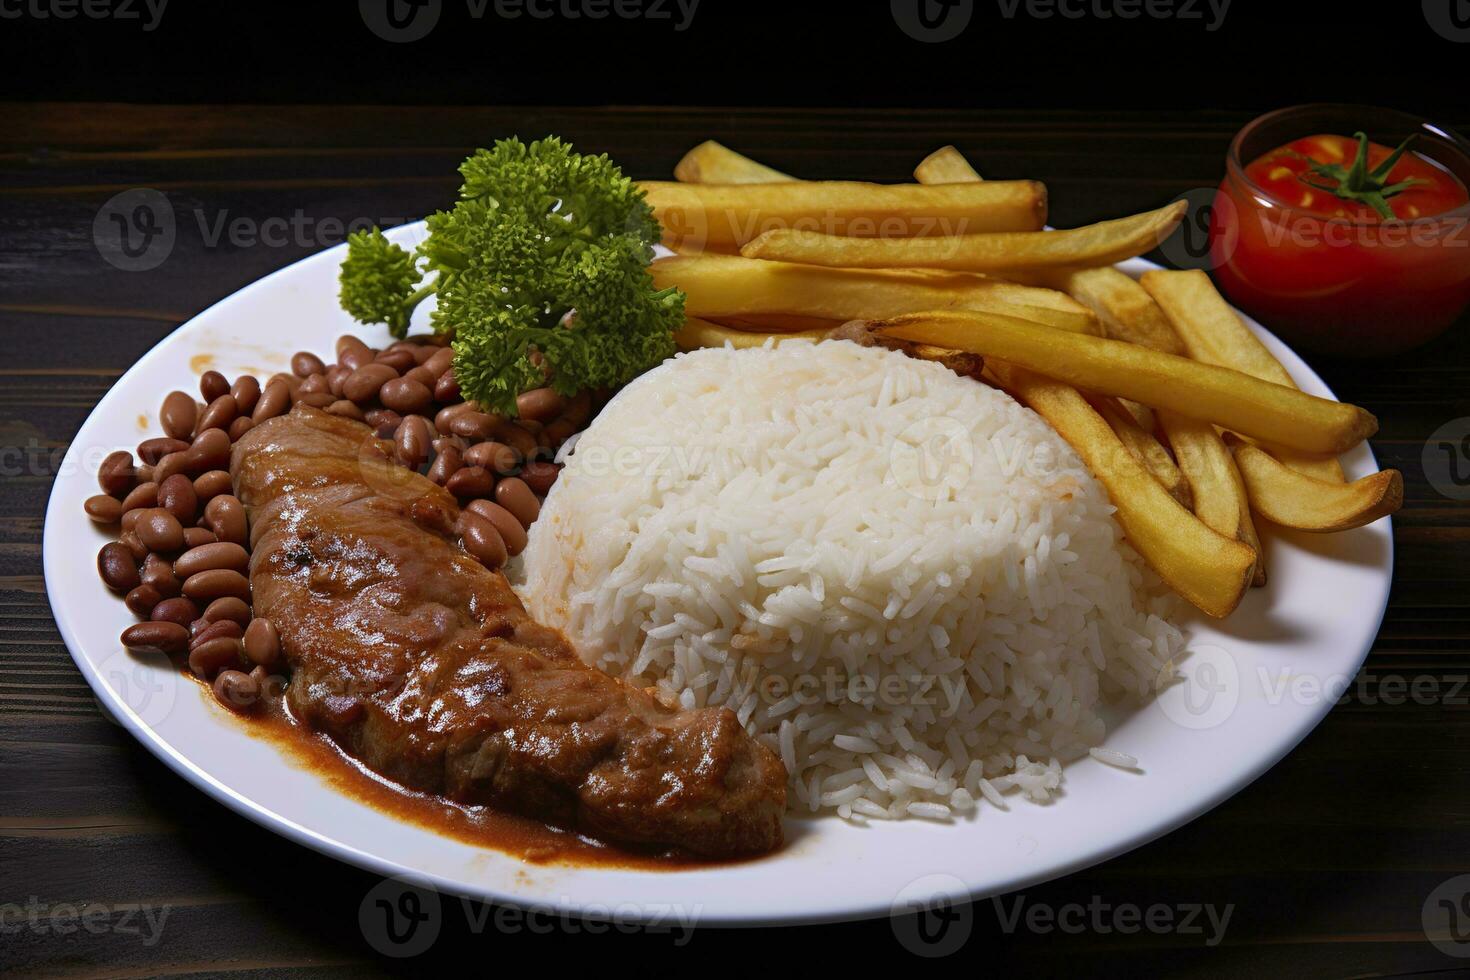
(1357, 183)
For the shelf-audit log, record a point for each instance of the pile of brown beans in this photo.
(181, 557)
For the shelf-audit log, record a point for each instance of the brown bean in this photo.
(177, 415)
(227, 628)
(558, 432)
(118, 567)
(211, 484)
(151, 451)
(169, 465)
(103, 509)
(399, 360)
(363, 383)
(158, 636)
(262, 643)
(221, 554)
(539, 404)
(141, 495)
(130, 519)
(288, 379)
(336, 375)
(355, 357)
(208, 659)
(134, 544)
(529, 425)
(246, 392)
(140, 601)
(446, 388)
(195, 536)
(219, 413)
(440, 361)
(346, 342)
(378, 417)
(116, 474)
(540, 475)
(159, 572)
(176, 495)
(516, 497)
(272, 685)
(159, 530)
(225, 516)
(470, 481)
(444, 419)
(459, 443)
(179, 610)
(511, 531)
(304, 364)
(579, 409)
(239, 427)
(230, 607)
(313, 384)
(346, 409)
(143, 473)
(482, 540)
(445, 465)
(496, 457)
(316, 399)
(406, 396)
(475, 426)
(236, 690)
(518, 438)
(274, 400)
(217, 583)
(209, 451)
(212, 384)
(411, 442)
(422, 375)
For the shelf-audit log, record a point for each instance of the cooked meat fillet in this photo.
(422, 664)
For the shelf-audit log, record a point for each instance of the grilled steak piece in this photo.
(423, 665)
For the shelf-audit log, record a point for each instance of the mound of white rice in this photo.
(900, 580)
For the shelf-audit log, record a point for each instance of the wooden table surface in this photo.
(1327, 862)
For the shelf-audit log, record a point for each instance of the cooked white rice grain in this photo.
(902, 581)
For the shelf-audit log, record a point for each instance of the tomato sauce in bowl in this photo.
(1351, 263)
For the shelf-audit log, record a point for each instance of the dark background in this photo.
(740, 52)
(260, 111)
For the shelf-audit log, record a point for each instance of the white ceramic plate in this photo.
(1255, 685)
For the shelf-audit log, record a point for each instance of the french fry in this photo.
(1211, 332)
(1228, 398)
(945, 165)
(730, 286)
(697, 333)
(714, 163)
(722, 217)
(1144, 447)
(777, 322)
(1206, 568)
(1101, 244)
(1125, 308)
(1287, 497)
(1217, 489)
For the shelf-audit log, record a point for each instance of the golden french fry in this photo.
(1144, 447)
(726, 216)
(730, 286)
(1206, 568)
(1212, 333)
(1126, 309)
(714, 163)
(1218, 492)
(1228, 398)
(697, 333)
(945, 165)
(1101, 244)
(777, 322)
(1287, 497)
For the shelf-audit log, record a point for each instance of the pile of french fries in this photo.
(1185, 417)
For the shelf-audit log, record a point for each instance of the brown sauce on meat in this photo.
(528, 840)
